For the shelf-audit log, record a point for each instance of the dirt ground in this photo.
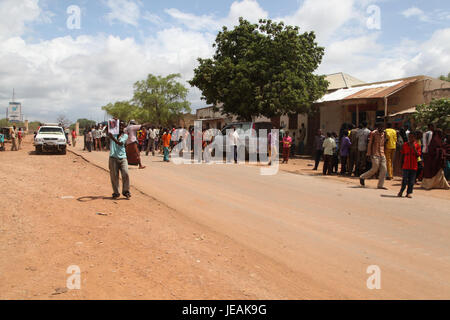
(227, 233)
(137, 249)
(304, 166)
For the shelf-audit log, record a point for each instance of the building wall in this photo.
(332, 118)
(420, 92)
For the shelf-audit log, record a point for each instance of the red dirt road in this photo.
(211, 232)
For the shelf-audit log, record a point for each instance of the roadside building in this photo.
(374, 102)
(186, 120)
(212, 119)
(216, 120)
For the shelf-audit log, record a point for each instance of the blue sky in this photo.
(56, 70)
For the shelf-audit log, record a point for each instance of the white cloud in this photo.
(325, 17)
(192, 21)
(153, 18)
(16, 15)
(76, 76)
(415, 12)
(248, 9)
(368, 60)
(124, 11)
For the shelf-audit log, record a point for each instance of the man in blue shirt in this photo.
(118, 162)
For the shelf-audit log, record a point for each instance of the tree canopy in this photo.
(437, 113)
(159, 100)
(445, 78)
(263, 69)
(122, 110)
(84, 123)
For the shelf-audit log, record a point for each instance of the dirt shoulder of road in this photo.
(57, 213)
(304, 166)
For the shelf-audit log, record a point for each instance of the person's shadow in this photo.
(92, 198)
(389, 196)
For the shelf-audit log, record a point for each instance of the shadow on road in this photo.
(92, 198)
(389, 196)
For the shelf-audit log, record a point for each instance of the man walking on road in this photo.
(391, 146)
(14, 139)
(353, 154)
(375, 151)
(362, 137)
(118, 162)
(151, 134)
(20, 138)
(74, 138)
(166, 138)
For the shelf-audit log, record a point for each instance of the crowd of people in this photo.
(16, 136)
(364, 153)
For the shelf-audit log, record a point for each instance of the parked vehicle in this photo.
(50, 139)
(6, 131)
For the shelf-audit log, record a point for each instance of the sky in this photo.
(62, 63)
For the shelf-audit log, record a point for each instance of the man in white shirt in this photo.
(151, 135)
(427, 136)
(363, 140)
(329, 145)
(233, 141)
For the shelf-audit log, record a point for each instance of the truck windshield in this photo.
(51, 131)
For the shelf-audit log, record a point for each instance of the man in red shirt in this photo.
(74, 138)
(410, 152)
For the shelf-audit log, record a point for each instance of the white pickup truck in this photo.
(50, 139)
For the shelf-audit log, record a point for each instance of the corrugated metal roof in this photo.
(371, 91)
(342, 80)
(407, 111)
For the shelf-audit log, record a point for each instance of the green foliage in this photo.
(445, 78)
(122, 110)
(437, 113)
(158, 100)
(5, 123)
(33, 126)
(161, 100)
(264, 69)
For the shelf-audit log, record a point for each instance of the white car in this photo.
(50, 139)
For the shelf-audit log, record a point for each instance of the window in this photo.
(362, 117)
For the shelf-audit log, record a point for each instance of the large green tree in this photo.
(123, 110)
(84, 123)
(437, 113)
(445, 78)
(161, 100)
(263, 69)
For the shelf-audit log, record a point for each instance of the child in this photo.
(410, 152)
(2, 142)
(287, 141)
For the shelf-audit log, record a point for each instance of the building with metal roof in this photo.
(374, 102)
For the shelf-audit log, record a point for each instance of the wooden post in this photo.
(357, 115)
(385, 111)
